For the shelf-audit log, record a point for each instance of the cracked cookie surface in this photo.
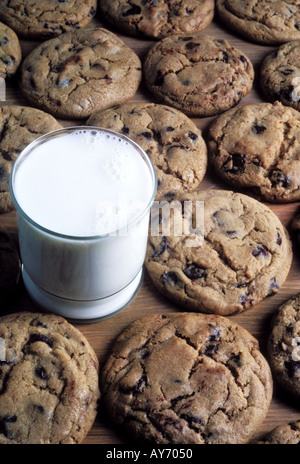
(187, 378)
(286, 434)
(197, 74)
(256, 147)
(283, 346)
(41, 19)
(48, 381)
(280, 74)
(10, 52)
(158, 18)
(80, 72)
(269, 21)
(172, 141)
(19, 126)
(244, 256)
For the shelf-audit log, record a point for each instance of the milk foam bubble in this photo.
(84, 183)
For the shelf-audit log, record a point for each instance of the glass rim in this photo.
(66, 130)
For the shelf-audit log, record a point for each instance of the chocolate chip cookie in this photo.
(19, 126)
(157, 18)
(80, 72)
(280, 74)
(10, 264)
(256, 147)
(48, 381)
(286, 434)
(187, 379)
(172, 141)
(283, 346)
(223, 258)
(199, 75)
(268, 22)
(41, 19)
(10, 52)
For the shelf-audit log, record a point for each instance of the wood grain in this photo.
(256, 320)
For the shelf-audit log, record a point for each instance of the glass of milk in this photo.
(83, 197)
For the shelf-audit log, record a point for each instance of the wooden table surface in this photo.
(148, 301)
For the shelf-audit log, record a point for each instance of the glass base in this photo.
(83, 311)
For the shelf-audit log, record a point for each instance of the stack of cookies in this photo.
(191, 375)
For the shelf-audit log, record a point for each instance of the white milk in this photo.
(83, 198)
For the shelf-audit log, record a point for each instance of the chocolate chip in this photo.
(260, 251)
(225, 57)
(194, 271)
(192, 136)
(169, 196)
(287, 93)
(211, 349)
(236, 359)
(215, 335)
(231, 232)
(170, 129)
(286, 72)
(92, 11)
(273, 286)
(278, 239)
(41, 373)
(186, 39)
(125, 130)
(192, 45)
(40, 338)
(186, 82)
(40, 409)
(176, 381)
(162, 247)
(258, 128)
(136, 388)
(290, 329)
(278, 177)
(134, 10)
(243, 298)
(4, 421)
(292, 367)
(244, 60)
(38, 323)
(238, 164)
(191, 419)
(147, 135)
(4, 41)
(171, 278)
(159, 80)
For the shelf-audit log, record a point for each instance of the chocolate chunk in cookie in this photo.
(199, 75)
(224, 262)
(256, 147)
(80, 72)
(187, 379)
(156, 18)
(172, 141)
(48, 381)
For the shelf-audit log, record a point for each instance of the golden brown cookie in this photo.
(199, 75)
(187, 379)
(254, 148)
(268, 22)
(80, 72)
(223, 262)
(48, 381)
(172, 141)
